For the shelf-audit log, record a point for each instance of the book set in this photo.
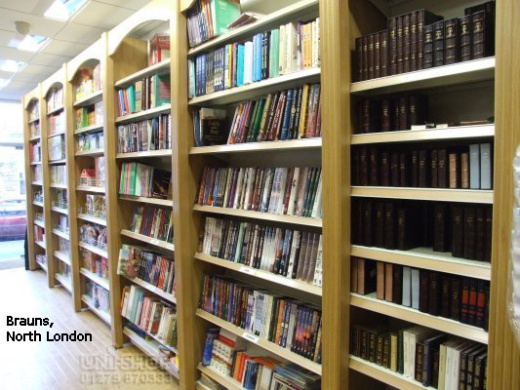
(34, 130)
(56, 148)
(94, 205)
(142, 136)
(144, 180)
(88, 142)
(94, 176)
(54, 99)
(95, 264)
(94, 235)
(60, 199)
(89, 116)
(56, 124)
(35, 152)
(97, 296)
(62, 224)
(145, 94)
(58, 174)
(87, 81)
(158, 48)
(153, 222)
(421, 39)
(39, 234)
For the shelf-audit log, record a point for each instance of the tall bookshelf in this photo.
(57, 187)
(130, 71)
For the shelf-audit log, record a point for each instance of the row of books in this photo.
(151, 134)
(39, 234)
(65, 271)
(150, 92)
(35, 152)
(421, 39)
(94, 176)
(230, 355)
(57, 123)
(153, 268)
(34, 110)
(62, 224)
(94, 263)
(87, 81)
(461, 299)
(144, 180)
(38, 196)
(90, 141)
(58, 174)
(463, 229)
(89, 115)
(468, 167)
(282, 191)
(57, 148)
(41, 258)
(207, 19)
(290, 253)
(54, 99)
(158, 48)
(94, 206)
(154, 222)
(150, 314)
(98, 296)
(38, 216)
(94, 235)
(60, 199)
(34, 129)
(37, 173)
(64, 246)
(424, 355)
(390, 113)
(283, 321)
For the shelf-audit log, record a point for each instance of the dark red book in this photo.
(452, 40)
(428, 46)
(413, 41)
(489, 228)
(442, 168)
(377, 55)
(397, 284)
(392, 45)
(390, 225)
(438, 43)
(472, 306)
(464, 301)
(394, 169)
(424, 290)
(406, 42)
(379, 239)
(365, 57)
(424, 169)
(456, 294)
(395, 114)
(368, 234)
(434, 171)
(470, 232)
(358, 73)
(440, 227)
(385, 169)
(404, 117)
(371, 56)
(488, 28)
(407, 229)
(457, 231)
(355, 167)
(434, 294)
(418, 109)
(481, 303)
(373, 166)
(466, 38)
(383, 55)
(404, 170)
(363, 166)
(414, 168)
(400, 45)
(480, 232)
(386, 122)
(445, 296)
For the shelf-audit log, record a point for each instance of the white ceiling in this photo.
(67, 38)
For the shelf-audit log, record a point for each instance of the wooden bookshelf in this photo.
(307, 145)
(433, 194)
(227, 382)
(148, 240)
(63, 257)
(91, 153)
(100, 313)
(103, 282)
(93, 189)
(154, 289)
(144, 114)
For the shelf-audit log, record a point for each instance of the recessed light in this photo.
(12, 66)
(32, 43)
(63, 9)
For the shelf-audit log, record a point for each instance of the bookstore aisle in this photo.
(65, 365)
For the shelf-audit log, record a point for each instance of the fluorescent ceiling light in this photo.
(12, 66)
(32, 43)
(63, 9)
(4, 82)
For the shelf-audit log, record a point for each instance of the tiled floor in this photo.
(69, 365)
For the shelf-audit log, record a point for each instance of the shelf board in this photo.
(59, 210)
(43, 267)
(89, 129)
(150, 287)
(433, 194)
(55, 110)
(90, 218)
(451, 133)
(58, 185)
(94, 249)
(287, 219)
(61, 234)
(100, 313)
(162, 67)
(151, 349)
(97, 190)
(39, 223)
(148, 240)
(261, 274)
(37, 183)
(58, 162)
(41, 244)
(258, 88)
(90, 153)
(142, 199)
(35, 138)
(154, 337)
(34, 120)
(145, 114)
(300, 145)
(370, 302)
(36, 163)
(262, 343)
(56, 134)
(440, 76)
(145, 154)
(428, 259)
(39, 204)
(63, 257)
(226, 381)
(90, 99)
(103, 282)
(64, 282)
(293, 12)
(384, 375)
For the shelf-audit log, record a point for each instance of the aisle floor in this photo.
(40, 365)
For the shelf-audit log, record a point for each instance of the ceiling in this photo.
(67, 39)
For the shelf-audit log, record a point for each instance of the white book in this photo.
(238, 186)
(282, 60)
(281, 192)
(294, 191)
(246, 205)
(407, 286)
(291, 50)
(264, 202)
(240, 239)
(294, 249)
(242, 189)
(274, 191)
(318, 270)
(415, 337)
(415, 276)
(248, 62)
(317, 206)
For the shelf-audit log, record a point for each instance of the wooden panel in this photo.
(95, 52)
(504, 354)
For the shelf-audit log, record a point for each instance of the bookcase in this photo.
(139, 137)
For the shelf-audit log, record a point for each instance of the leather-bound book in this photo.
(452, 40)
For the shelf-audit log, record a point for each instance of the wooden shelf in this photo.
(142, 199)
(162, 67)
(299, 145)
(58, 162)
(301, 9)
(145, 154)
(226, 381)
(419, 136)
(64, 282)
(103, 282)
(39, 204)
(39, 223)
(35, 138)
(57, 185)
(56, 134)
(370, 302)
(259, 88)
(432, 194)
(63, 257)
(97, 190)
(33, 163)
(100, 313)
(153, 289)
(55, 110)
(384, 375)
(94, 249)
(154, 337)
(262, 343)
(61, 234)
(148, 240)
(440, 76)
(90, 218)
(287, 219)
(43, 267)
(261, 274)
(89, 129)
(34, 120)
(41, 244)
(426, 258)
(151, 349)
(145, 114)
(90, 99)
(37, 183)
(60, 210)
(90, 153)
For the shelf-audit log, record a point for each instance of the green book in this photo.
(274, 53)
(223, 12)
(255, 129)
(130, 93)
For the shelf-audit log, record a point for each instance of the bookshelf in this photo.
(134, 102)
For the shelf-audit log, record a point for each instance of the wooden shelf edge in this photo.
(142, 199)
(61, 234)
(88, 99)
(431, 194)
(261, 274)
(89, 218)
(95, 278)
(143, 154)
(97, 190)
(153, 289)
(94, 249)
(87, 129)
(58, 162)
(100, 313)
(67, 284)
(144, 113)
(259, 147)
(267, 345)
(88, 153)
(62, 257)
(55, 110)
(227, 382)
(148, 240)
(159, 68)
(59, 210)
(415, 316)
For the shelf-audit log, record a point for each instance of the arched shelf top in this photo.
(159, 11)
(32, 97)
(91, 56)
(57, 80)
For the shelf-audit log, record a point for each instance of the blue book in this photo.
(203, 74)
(240, 65)
(257, 54)
(211, 335)
(284, 134)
